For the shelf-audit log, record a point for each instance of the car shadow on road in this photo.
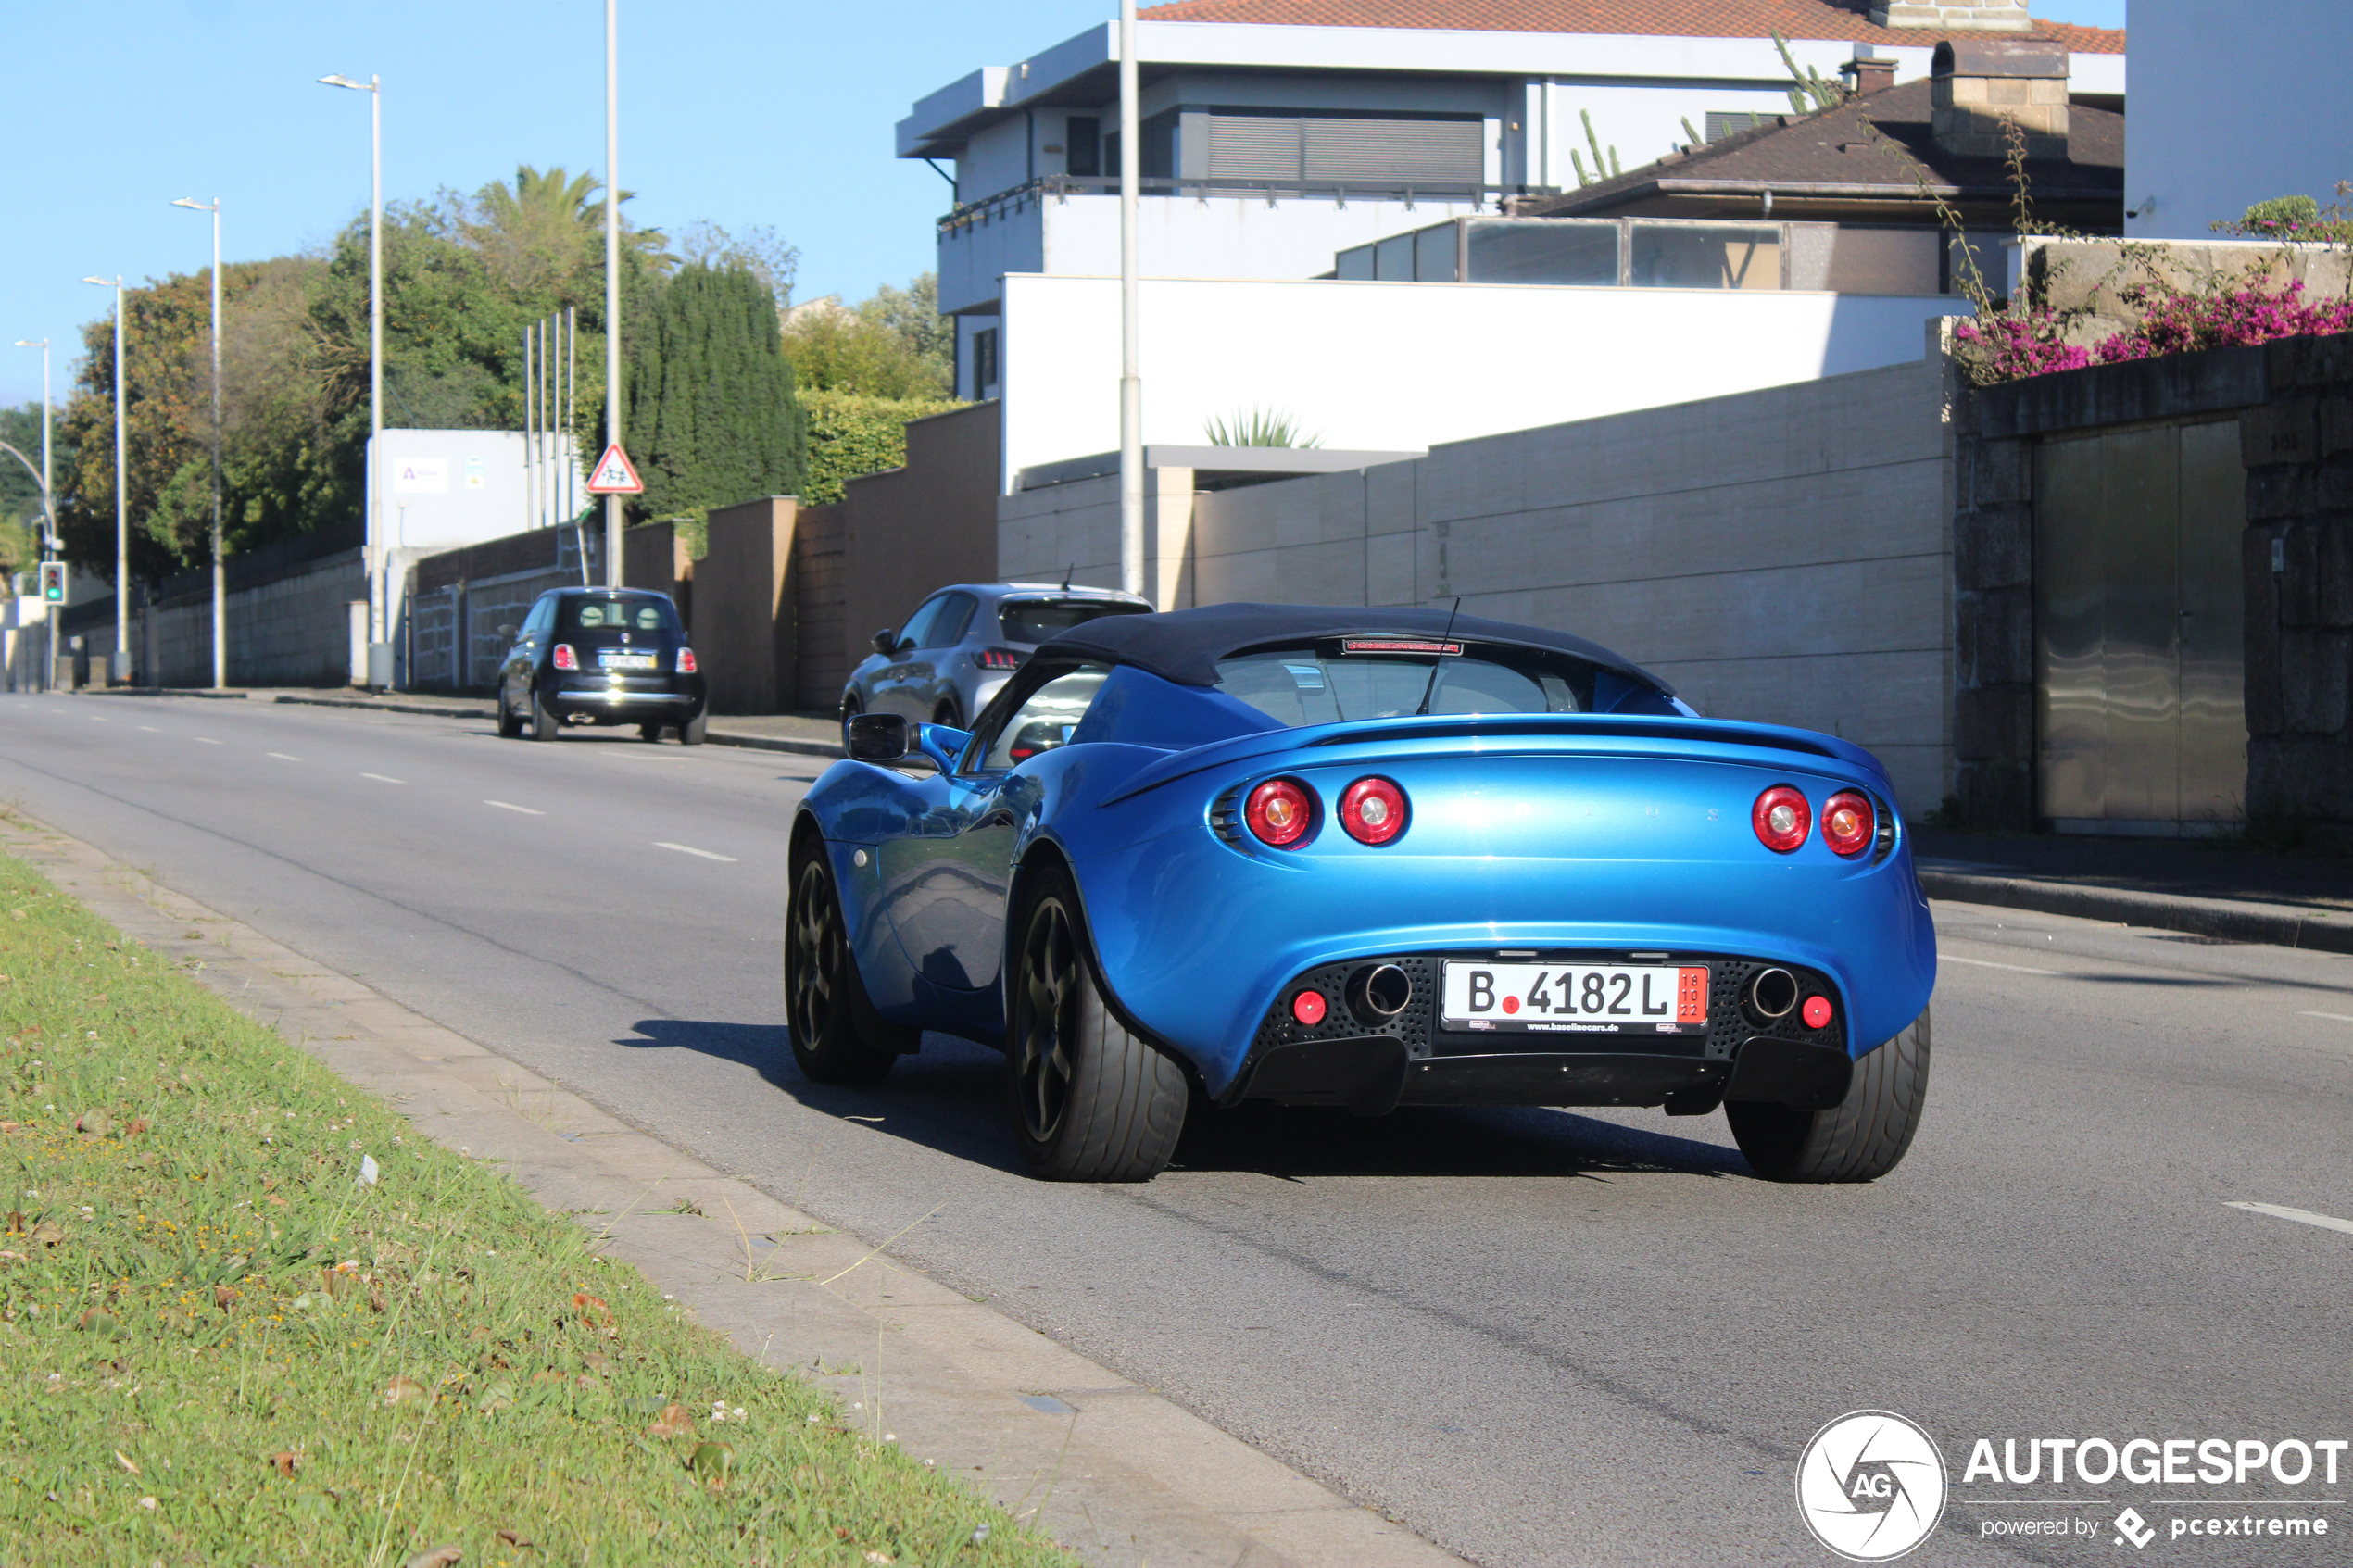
(1296, 1143)
(949, 1097)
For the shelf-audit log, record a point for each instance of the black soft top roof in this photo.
(1184, 645)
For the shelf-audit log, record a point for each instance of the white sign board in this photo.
(421, 476)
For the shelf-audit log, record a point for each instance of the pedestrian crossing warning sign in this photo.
(613, 476)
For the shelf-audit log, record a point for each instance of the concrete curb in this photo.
(371, 706)
(157, 690)
(2281, 926)
(1115, 1472)
(774, 743)
(712, 737)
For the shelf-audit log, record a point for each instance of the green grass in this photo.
(216, 1346)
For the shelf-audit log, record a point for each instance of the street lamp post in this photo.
(1131, 387)
(119, 670)
(220, 570)
(612, 277)
(50, 543)
(373, 87)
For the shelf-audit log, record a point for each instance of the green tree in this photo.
(710, 414)
(896, 345)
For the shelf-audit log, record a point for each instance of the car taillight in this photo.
(1373, 811)
(685, 661)
(1279, 812)
(565, 657)
(997, 658)
(1781, 819)
(1847, 824)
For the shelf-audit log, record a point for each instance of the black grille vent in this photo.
(1225, 816)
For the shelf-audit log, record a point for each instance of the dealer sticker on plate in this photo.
(1576, 999)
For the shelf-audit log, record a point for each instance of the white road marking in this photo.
(2302, 1216)
(2332, 1017)
(284, 758)
(150, 729)
(690, 849)
(1988, 963)
(526, 810)
(201, 740)
(96, 720)
(381, 779)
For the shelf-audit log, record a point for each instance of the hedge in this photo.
(850, 433)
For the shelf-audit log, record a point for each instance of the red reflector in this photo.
(565, 660)
(1846, 823)
(1818, 1011)
(1398, 644)
(1279, 812)
(685, 661)
(1308, 1008)
(1781, 819)
(1373, 811)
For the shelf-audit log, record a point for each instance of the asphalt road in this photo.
(1536, 1336)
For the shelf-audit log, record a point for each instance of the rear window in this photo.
(1041, 620)
(632, 614)
(1377, 678)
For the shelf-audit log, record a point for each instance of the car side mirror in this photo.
(886, 641)
(506, 629)
(879, 737)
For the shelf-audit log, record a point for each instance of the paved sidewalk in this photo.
(1114, 1472)
(2173, 884)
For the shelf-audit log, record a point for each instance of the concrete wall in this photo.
(1391, 365)
(445, 632)
(654, 555)
(449, 487)
(744, 632)
(1779, 554)
(822, 632)
(294, 630)
(2229, 107)
(907, 530)
(2095, 275)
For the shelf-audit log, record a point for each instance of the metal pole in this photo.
(48, 522)
(375, 351)
(612, 276)
(1131, 387)
(121, 511)
(526, 427)
(220, 564)
(572, 411)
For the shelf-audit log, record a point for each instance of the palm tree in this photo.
(536, 228)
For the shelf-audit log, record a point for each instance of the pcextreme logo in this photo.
(1870, 1486)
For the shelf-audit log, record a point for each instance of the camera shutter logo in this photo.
(1870, 1486)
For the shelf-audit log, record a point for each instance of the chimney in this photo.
(1981, 16)
(1869, 72)
(1975, 84)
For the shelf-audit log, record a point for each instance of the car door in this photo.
(931, 668)
(523, 657)
(891, 692)
(945, 882)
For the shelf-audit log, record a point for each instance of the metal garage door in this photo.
(2138, 629)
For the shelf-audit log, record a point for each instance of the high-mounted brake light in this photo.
(685, 661)
(1280, 811)
(565, 657)
(1373, 811)
(1847, 824)
(1781, 819)
(998, 659)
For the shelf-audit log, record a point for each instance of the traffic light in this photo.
(53, 582)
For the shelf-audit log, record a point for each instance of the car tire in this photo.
(1860, 1139)
(820, 979)
(543, 724)
(1091, 1101)
(649, 733)
(510, 721)
(691, 732)
(946, 713)
(850, 709)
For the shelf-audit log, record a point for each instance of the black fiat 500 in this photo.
(601, 655)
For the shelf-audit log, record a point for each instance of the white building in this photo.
(2238, 105)
(1271, 143)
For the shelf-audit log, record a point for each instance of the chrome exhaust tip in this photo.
(1773, 993)
(1380, 993)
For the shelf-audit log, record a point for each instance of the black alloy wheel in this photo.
(543, 724)
(650, 732)
(510, 721)
(850, 709)
(820, 1011)
(1092, 1101)
(946, 713)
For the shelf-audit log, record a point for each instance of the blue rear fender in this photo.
(1595, 836)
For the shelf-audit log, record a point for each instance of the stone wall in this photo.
(2091, 274)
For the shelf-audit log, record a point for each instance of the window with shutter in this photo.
(1253, 147)
(1408, 152)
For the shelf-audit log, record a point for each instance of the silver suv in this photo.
(964, 642)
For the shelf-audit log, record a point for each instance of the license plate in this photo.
(1576, 999)
(626, 661)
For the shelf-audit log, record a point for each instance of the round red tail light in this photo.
(1373, 811)
(1847, 825)
(1781, 819)
(1280, 811)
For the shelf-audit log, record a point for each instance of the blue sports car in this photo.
(1365, 857)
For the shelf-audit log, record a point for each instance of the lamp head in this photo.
(29, 342)
(105, 283)
(346, 81)
(200, 207)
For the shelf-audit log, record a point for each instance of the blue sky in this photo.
(741, 112)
